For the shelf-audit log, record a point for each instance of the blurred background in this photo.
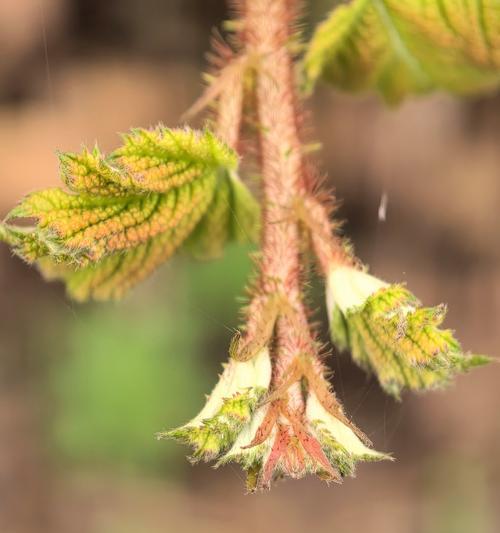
(83, 388)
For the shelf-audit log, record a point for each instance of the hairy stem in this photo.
(277, 315)
(230, 108)
(267, 24)
(328, 247)
(268, 31)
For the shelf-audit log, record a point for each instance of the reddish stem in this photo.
(267, 33)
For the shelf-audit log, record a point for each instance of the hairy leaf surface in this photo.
(400, 47)
(126, 213)
(400, 341)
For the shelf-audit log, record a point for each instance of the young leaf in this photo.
(114, 275)
(400, 47)
(390, 334)
(124, 214)
(229, 407)
(269, 441)
(233, 214)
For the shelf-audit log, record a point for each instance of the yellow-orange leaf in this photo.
(126, 213)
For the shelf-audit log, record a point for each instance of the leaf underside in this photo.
(126, 213)
(399, 341)
(403, 47)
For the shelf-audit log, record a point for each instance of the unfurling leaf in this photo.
(229, 407)
(124, 214)
(270, 440)
(389, 333)
(400, 47)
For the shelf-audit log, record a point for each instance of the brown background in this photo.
(73, 71)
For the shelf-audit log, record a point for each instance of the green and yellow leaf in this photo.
(403, 47)
(123, 214)
(233, 215)
(229, 408)
(390, 334)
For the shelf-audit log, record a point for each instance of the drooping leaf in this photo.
(390, 334)
(114, 275)
(268, 439)
(124, 214)
(229, 407)
(400, 47)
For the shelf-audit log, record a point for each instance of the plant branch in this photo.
(330, 249)
(268, 30)
(279, 415)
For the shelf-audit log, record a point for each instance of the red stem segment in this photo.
(267, 33)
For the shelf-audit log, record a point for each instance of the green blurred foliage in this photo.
(219, 285)
(126, 375)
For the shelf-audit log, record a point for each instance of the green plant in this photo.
(123, 214)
